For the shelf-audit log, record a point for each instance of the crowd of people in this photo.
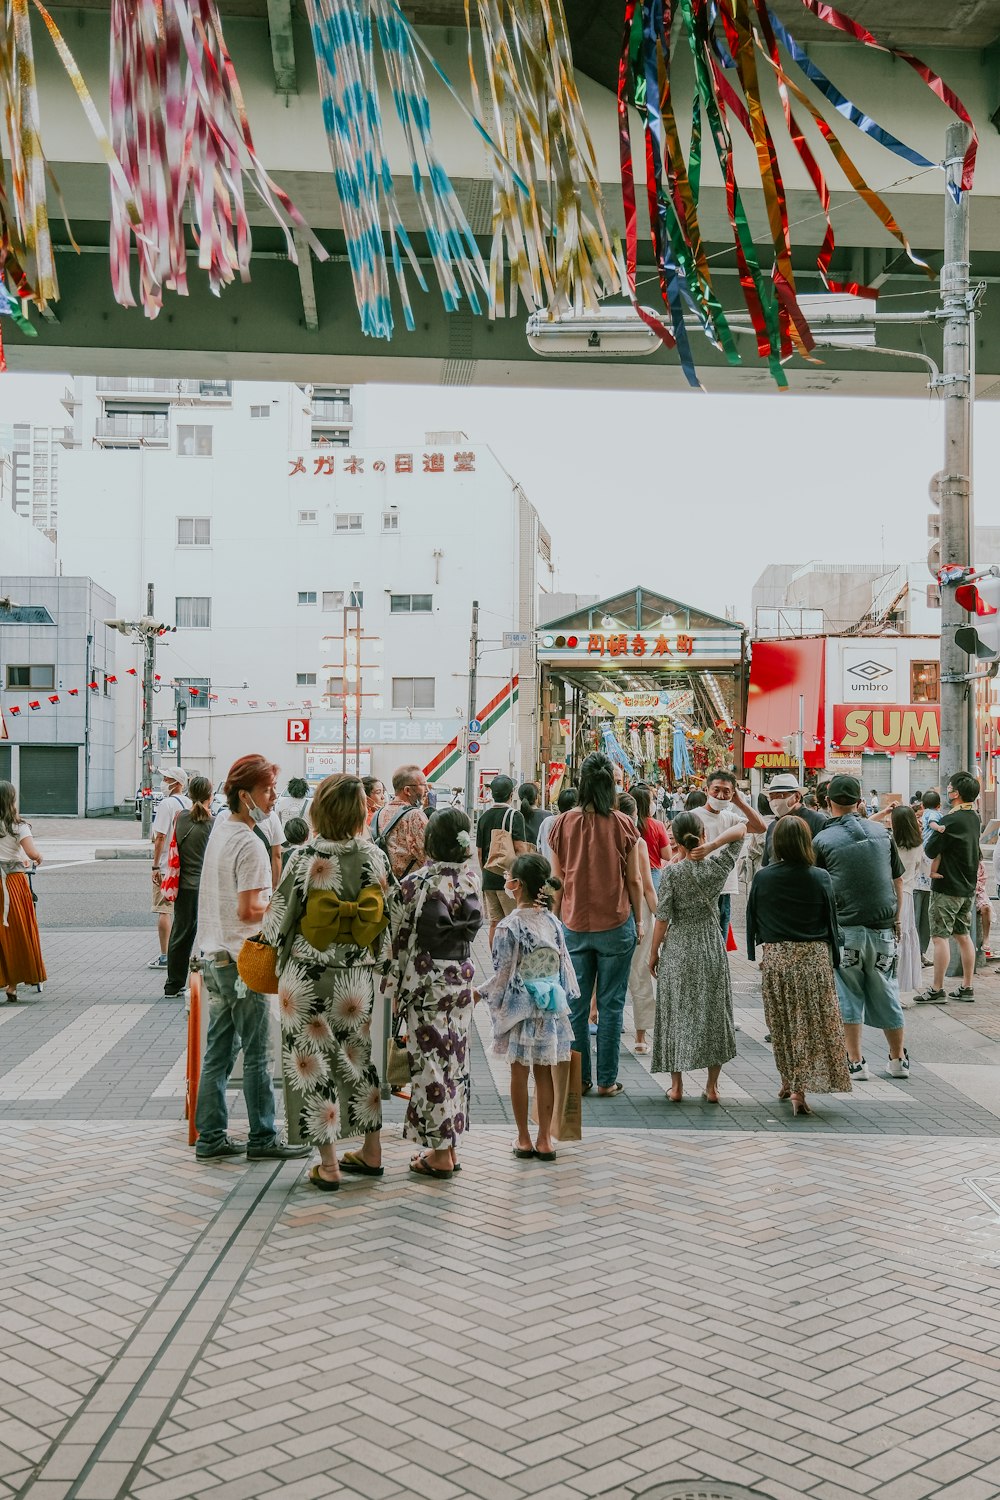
(347, 894)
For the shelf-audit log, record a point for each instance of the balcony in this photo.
(131, 431)
(69, 438)
(331, 413)
(69, 399)
(141, 387)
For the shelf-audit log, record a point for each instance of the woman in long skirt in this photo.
(431, 982)
(694, 996)
(791, 911)
(20, 946)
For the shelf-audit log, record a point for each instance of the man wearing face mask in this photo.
(785, 796)
(233, 896)
(725, 808)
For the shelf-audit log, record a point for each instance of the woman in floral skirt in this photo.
(327, 920)
(430, 982)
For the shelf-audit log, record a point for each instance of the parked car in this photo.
(218, 799)
(157, 798)
(988, 839)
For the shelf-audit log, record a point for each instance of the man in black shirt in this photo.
(501, 815)
(785, 796)
(867, 875)
(954, 843)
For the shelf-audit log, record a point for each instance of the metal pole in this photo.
(86, 732)
(473, 670)
(802, 740)
(357, 700)
(180, 726)
(148, 661)
(343, 699)
(956, 483)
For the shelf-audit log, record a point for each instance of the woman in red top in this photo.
(656, 834)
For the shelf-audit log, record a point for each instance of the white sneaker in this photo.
(858, 1071)
(899, 1067)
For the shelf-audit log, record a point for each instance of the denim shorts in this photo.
(867, 987)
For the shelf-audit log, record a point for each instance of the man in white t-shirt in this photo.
(724, 809)
(175, 779)
(233, 896)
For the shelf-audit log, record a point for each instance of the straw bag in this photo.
(397, 1061)
(256, 965)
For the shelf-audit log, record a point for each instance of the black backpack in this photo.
(380, 838)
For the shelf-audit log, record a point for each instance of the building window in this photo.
(333, 599)
(307, 596)
(410, 604)
(305, 679)
(307, 518)
(413, 692)
(194, 442)
(334, 687)
(31, 677)
(260, 411)
(194, 612)
(925, 682)
(348, 521)
(194, 699)
(107, 684)
(390, 520)
(194, 531)
(356, 599)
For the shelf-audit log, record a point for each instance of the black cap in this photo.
(844, 790)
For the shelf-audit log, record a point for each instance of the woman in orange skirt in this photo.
(20, 947)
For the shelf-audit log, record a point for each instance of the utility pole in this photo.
(148, 669)
(470, 764)
(955, 485)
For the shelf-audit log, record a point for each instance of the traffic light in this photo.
(981, 637)
(182, 715)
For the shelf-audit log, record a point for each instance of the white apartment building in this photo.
(34, 453)
(257, 524)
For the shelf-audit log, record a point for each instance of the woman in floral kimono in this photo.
(327, 920)
(430, 981)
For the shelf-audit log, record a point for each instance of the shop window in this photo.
(925, 682)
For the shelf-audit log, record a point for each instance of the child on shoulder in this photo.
(528, 998)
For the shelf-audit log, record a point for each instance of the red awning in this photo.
(781, 672)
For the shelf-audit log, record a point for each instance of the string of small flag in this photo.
(53, 699)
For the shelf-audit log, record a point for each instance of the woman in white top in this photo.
(908, 840)
(640, 980)
(20, 948)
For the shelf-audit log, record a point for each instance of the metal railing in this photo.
(149, 385)
(134, 429)
(332, 411)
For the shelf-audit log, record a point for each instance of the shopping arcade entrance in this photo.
(634, 673)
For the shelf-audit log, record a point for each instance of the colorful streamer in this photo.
(614, 750)
(547, 204)
(343, 35)
(180, 128)
(682, 766)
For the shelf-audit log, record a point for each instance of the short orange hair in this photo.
(246, 773)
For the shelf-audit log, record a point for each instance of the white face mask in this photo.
(257, 814)
(717, 803)
(781, 805)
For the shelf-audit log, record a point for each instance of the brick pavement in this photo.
(694, 1296)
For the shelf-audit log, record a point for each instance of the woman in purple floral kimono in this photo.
(430, 981)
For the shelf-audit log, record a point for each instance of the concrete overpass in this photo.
(302, 323)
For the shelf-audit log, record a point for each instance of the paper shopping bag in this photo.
(567, 1115)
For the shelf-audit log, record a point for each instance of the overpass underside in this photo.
(301, 322)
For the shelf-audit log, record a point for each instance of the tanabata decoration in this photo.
(179, 127)
(682, 755)
(724, 42)
(614, 750)
(547, 207)
(634, 742)
(650, 740)
(343, 34)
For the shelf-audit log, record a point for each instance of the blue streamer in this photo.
(615, 751)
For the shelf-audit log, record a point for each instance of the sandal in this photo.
(544, 1155)
(422, 1167)
(323, 1183)
(353, 1161)
(521, 1153)
(616, 1088)
(707, 1100)
(642, 1049)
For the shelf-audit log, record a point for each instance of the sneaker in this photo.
(592, 1028)
(899, 1067)
(174, 994)
(225, 1148)
(964, 993)
(858, 1071)
(158, 963)
(767, 1036)
(278, 1151)
(930, 996)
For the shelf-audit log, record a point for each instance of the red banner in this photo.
(782, 672)
(910, 728)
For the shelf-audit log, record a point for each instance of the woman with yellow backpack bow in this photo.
(327, 919)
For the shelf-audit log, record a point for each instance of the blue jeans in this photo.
(234, 1021)
(602, 958)
(725, 914)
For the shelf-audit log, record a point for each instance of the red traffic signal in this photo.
(969, 597)
(981, 599)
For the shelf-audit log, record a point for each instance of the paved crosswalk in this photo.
(57, 1065)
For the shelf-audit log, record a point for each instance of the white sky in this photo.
(688, 494)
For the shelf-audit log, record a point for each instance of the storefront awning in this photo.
(782, 672)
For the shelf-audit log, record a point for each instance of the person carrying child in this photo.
(528, 998)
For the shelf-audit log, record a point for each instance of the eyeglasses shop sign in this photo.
(870, 674)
